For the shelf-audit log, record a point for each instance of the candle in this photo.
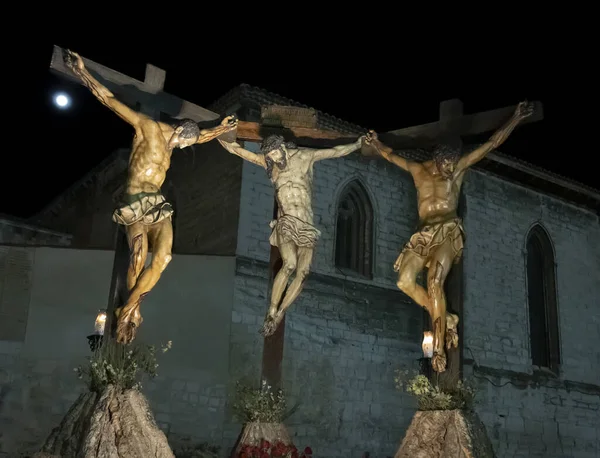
(428, 344)
(100, 322)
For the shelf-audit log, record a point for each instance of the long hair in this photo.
(273, 142)
(190, 128)
(444, 152)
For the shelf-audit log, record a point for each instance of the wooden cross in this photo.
(310, 137)
(149, 98)
(148, 93)
(300, 126)
(451, 126)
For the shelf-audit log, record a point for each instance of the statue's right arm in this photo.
(101, 92)
(235, 148)
(388, 154)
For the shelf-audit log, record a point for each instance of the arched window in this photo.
(541, 295)
(354, 231)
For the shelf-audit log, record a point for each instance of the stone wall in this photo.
(16, 232)
(191, 306)
(345, 335)
(528, 414)
(62, 294)
(84, 210)
(334, 370)
(204, 182)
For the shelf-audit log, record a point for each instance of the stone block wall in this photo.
(527, 413)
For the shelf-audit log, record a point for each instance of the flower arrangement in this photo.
(268, 450)
(431, 397)
(263, 404)
(118, 365)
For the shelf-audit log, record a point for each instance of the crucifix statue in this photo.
(438, 243)
(290, 169)
(144, 211)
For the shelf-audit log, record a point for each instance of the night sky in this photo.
(367, 92)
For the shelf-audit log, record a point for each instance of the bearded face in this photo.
(276, 157)
(446, 159)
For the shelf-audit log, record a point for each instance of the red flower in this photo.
(265, 444)
(308, 451)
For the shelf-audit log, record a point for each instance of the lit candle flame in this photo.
(100, 322)
(428, 344)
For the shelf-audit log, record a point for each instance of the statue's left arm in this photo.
(337, 151)
(524, 110)
(228, 124)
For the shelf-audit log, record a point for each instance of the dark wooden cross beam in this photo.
(118, 293)
(309, 137)
(451, 126)
(148, 94)
(454, 124)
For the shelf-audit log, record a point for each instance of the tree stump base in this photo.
(110, 424)
(446, 434)
(254, 433)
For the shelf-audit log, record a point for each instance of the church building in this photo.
(527, 288)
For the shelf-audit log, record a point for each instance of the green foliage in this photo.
(262, 404)
(431, 397)
(119, 365)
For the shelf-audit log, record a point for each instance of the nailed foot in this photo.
(127, 324)
(438, 362)
(451, 330)
(270, 325)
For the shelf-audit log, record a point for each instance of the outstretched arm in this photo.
(228, 124)
(524, 110)
(387, 153)
(107, 98)
(236, 149)
(337, 151)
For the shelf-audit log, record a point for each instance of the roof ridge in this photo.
(549, 172)
(253, 93)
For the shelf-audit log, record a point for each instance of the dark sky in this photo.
(366, 91)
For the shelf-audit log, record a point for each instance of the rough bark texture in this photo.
(112, 424)
(253, 433)
(446, 434)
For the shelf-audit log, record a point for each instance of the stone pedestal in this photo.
(255, 432)
(110, 424)
(446, 434)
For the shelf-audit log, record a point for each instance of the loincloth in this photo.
(288, 228)
(146, 208)
(424, 242)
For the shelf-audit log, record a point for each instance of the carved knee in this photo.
(303, 273)
(165, 262)
(406, 283)
(289, 267)
(161, 261)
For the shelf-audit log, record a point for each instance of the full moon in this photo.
(61, 100)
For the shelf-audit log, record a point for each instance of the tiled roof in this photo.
(253, 96)
(549, 173)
